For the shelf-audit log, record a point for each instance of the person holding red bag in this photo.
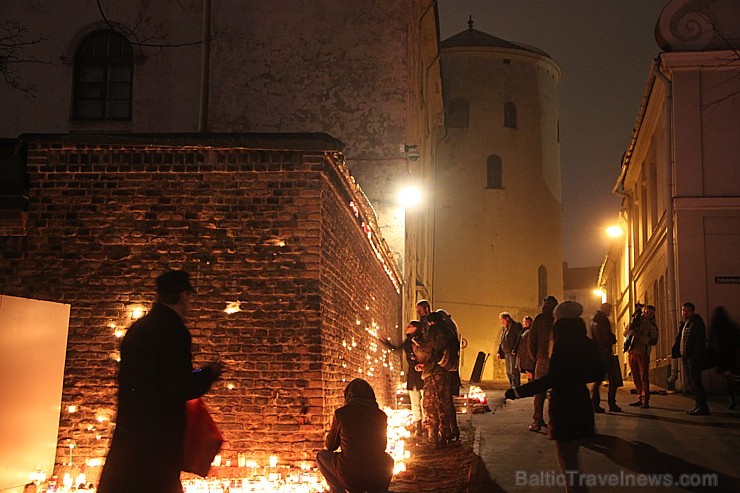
(155, 380)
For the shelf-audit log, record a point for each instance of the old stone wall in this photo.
(285, 235)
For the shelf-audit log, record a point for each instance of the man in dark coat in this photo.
(540, 346)
(360, 428)
(693, 353)
(604, 338)
(155, 380)
(511, 331)
(574, 363)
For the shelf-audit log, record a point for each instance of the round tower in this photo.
(498, 240)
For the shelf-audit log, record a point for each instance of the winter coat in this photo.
(510, 337)
(540, 340)
(602, 335)
(574, 363)
(640, 335)
(694, 339)
(360, 428)
(156, 377)
(524, 359)
(413, 377)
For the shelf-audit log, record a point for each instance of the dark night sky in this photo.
(604, 48)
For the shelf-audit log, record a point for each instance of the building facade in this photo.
(194, 72)
(497, 241)
(679, 179)
(367, 74)
(296, 294)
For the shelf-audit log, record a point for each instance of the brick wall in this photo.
(286, 233)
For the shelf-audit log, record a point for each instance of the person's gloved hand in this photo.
(509, 394)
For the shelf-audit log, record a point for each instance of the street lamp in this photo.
(614, 231)
(409, 197)
(601, 294)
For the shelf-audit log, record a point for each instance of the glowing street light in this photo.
(409, 197)
(614, 231)
(601, 294)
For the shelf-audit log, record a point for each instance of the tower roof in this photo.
(473, 37)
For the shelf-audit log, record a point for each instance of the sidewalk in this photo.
(662, 440)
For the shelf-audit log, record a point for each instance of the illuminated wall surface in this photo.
(33, 341)
(284, 239)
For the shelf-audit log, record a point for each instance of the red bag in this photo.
(202, 438)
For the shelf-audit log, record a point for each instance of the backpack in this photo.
(653, 335)
(451, 355)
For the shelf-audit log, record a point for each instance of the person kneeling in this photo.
(361, 429)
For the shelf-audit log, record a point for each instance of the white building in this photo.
(680, 178)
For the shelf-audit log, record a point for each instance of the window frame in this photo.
(510, 115)
(108, 64)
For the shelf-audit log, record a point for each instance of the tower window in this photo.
(103, 68)
(494, 172)
(458, 113)
(510, 115)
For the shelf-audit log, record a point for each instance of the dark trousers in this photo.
(611, 394)
(700, 395)
(539, 399)
(325, 460)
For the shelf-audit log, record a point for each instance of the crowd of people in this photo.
(573, 360)
(554, 350)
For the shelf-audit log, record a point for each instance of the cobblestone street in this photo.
(661, 444)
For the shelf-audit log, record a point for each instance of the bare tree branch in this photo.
(146, 39)
(14, 38)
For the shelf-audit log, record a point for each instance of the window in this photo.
(510, 115)
(542, 283)
(458, 113)
(103, 66)
(494, 172)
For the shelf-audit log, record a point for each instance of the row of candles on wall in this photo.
(257, 478)
(268, 478)
(251, 476)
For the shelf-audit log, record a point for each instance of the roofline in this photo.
(267, 141)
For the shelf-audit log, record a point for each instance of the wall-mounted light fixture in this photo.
(411, 151)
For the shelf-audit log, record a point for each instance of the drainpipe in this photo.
(670, 241)
(205, 60)
(630, 250)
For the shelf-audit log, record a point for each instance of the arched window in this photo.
(510, 115)
(103, 68)
(494, 172)
(542, 282)
(458, 113)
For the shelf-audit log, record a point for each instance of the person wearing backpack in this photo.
(638, 331)
(431, 350)
(649, 314)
